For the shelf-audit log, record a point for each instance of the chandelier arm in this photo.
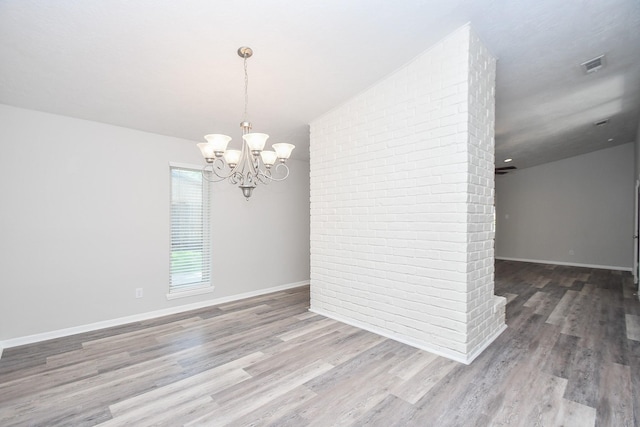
(212, 172)
(286, 172)
(251, 166)
(249, 179)
(264, 176)
(243, 173)
(236, 177)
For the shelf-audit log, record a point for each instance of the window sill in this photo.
(190, 292)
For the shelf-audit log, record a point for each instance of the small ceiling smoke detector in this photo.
(593, 65)
(601, 122)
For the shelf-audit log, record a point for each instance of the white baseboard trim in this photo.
(572, 264)
(30, 339)
(457, 357)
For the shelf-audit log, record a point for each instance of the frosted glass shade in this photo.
(232, 157)
(283, 151)
(218, 142)
(269, 158)
(207, 151)
(256, 141)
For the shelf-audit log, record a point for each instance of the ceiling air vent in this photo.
(601, 122)
(593, 65)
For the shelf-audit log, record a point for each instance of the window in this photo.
(190, 271)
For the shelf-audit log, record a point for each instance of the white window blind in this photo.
(190, 230)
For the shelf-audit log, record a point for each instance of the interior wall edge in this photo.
(486, 343)
(571, 264)
(31, 339)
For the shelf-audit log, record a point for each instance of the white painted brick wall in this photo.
(486, 311)
(402, 203)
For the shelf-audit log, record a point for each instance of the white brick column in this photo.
(402, 204)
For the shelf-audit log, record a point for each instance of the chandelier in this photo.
(252, 164)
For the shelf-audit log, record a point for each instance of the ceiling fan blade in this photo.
(506, 168)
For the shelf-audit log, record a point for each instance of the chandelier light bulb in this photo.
(207, 151)
(256, 142)
(269, 158)
(218, 142)
(283, 151)
(232, 157)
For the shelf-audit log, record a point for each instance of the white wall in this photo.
(85, 220)
(402, 204)
(582, 204)
(637, 152)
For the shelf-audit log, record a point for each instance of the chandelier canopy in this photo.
(252, 164)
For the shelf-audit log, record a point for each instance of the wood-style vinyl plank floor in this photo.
(570, 357)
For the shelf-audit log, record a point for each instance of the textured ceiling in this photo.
(170, 67)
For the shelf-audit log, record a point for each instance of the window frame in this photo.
(204, 286)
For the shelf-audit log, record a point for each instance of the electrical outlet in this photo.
(139, 293)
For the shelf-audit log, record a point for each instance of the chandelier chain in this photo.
(246, 90)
